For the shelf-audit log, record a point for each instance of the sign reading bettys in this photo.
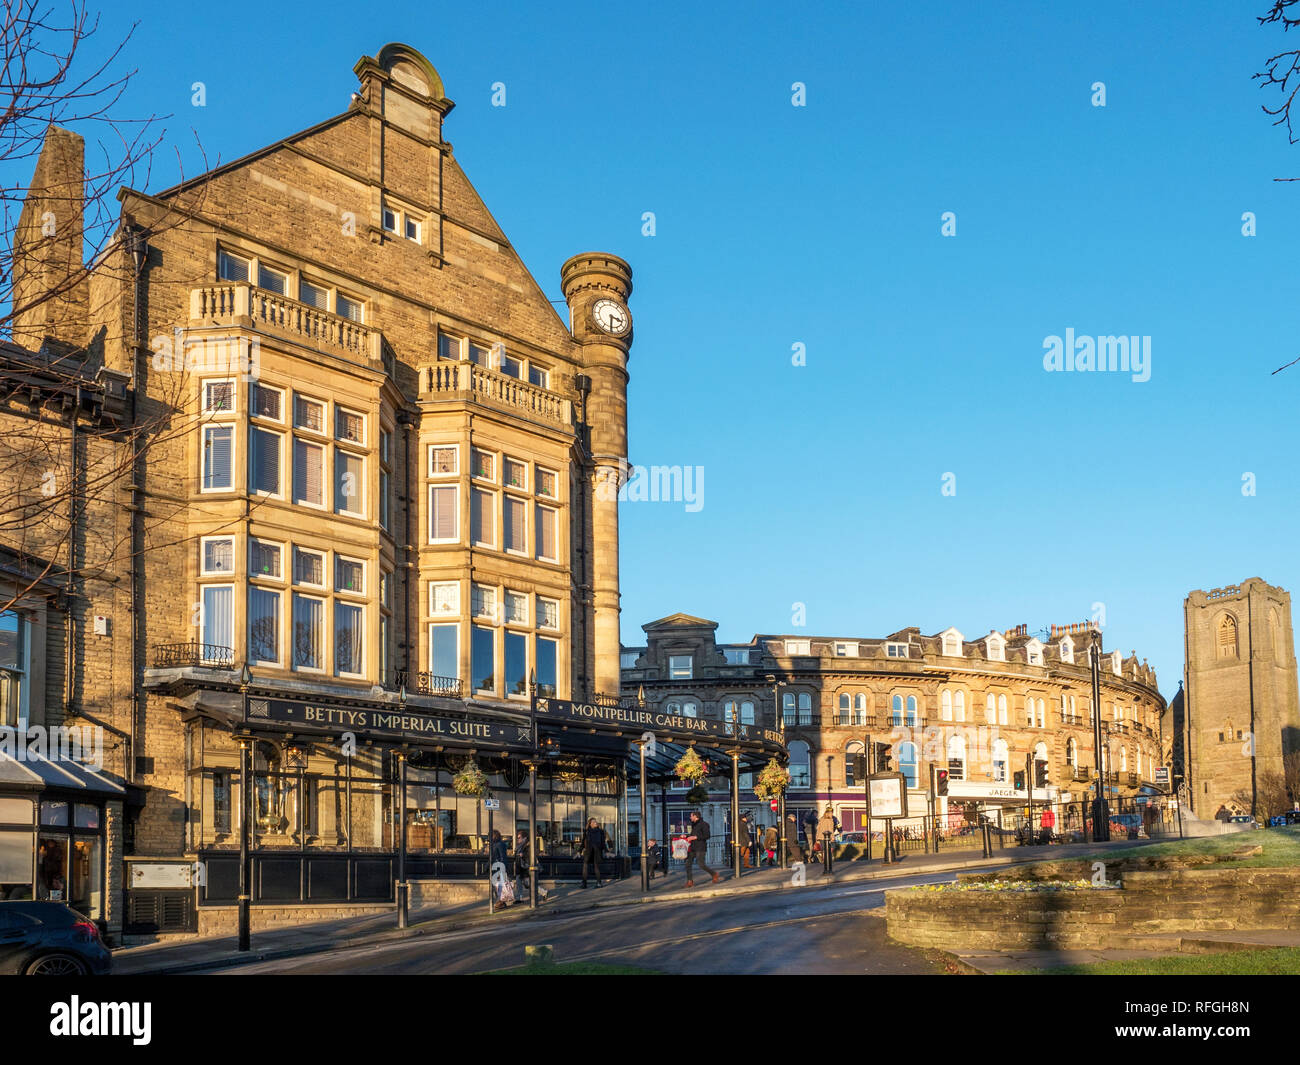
(637, 717)
(366, 720)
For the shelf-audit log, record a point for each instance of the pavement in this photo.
(199, 953)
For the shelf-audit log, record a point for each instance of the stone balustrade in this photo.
(228, 303)
(465, 380)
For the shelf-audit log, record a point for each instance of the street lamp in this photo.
(403, 888)
(1100, 810)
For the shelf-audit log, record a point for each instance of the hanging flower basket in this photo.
(470, 781)
(772, 781)
(697, 795)
(691, 768)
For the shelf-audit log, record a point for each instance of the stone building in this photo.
(360, 533)
(1238, 716)
(977, 707)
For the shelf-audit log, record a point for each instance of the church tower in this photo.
(1241, 716)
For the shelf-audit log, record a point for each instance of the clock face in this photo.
(611, 316)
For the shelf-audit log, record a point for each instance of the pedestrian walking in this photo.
(699, 847)
(770, 837)
(652, 856)
(793, 852)
(499, 855)
(594, 842)
(826, 826)
(523, 875)
(743, 840)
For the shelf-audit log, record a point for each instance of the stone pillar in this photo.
(597, 287)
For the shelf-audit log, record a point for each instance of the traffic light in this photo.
(884, 758)
(1018, 780)
(1040, 773)
(859, 766)
(941, 782)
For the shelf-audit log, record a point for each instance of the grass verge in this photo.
(1273, 961)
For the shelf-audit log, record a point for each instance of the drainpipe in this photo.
(70, 624)
(137, 244)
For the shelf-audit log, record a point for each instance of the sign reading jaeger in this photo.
(367, 720)
(636, 717)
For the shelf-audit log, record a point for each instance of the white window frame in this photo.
(226, 427)
(326, 475)
(453, 610)
(436, 487)
(537, 481)
(541, 615)
(674, 670)
(249, 264)
(301, 427)
(279, 625)
(349, 560)
(343, 504)
(801, 648)
(342, 412)
(555, 517)
(279, 547)
(510, 596)
(897, 650)
(522, 504)
(487, 595)
(325, 574)
(203, 557)
(327, 644)
(474, 452)
(455, 453)
(279, 438)
(1066, 648)
(846, 650)
(359, 608)
(507, 460)
(254, 414)
(494, 509)
(206, 400)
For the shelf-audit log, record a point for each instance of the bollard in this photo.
(827, 864)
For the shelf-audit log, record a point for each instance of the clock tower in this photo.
(596, 287)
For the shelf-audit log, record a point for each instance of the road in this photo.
(834, 930)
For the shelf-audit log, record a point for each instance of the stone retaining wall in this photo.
(1150, 902)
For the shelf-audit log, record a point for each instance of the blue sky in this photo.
(820, 225)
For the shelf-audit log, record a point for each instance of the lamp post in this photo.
(245, 817)
(1100, 809)
(532, 796)
(403, 892)
(779, 723)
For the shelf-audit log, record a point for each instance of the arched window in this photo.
(1000, 759)
(1002, 709)
(690, 708)
(746, 712)
(845, 704)
(945, 705)
(959, 706)
(1072, 753)
(673, 708)
(860, 708)
(1067, 650)
(1040, 752)
(805, 708)
(896, 710)
(911, 711)
(990, 709)
(1227, 636)
(957, 758)
(800, 768)
(907, 762)
(1042, 713)
(852, 749)
(1123, 759)
(1137, 761)
(1073, 711)
(952, 645)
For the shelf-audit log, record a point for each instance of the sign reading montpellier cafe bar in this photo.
(638, 717)
(376, 720)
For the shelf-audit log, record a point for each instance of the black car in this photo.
(49, 939)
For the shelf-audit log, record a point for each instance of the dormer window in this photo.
(1034, 653)
(798, 647)
(846, 650)
(1116, 663)
(996, 649)
(952, 642)
(680, 667)
(1067, 650)
(896, 650)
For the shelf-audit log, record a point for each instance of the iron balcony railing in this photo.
(179, 655)
(428, 684)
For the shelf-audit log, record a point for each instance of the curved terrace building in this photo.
(977, 707)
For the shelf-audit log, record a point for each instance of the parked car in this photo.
(1243, 819)
(50, 939)
(853, 837)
